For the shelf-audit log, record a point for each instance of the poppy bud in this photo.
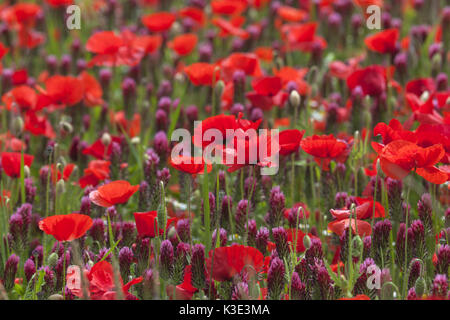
(65, 127)
(135, 141)
(52, 259)
(219, 87)
(106, 139)
(275, 279)
(10, 270)
(55, 296)
(357, 246)
(198, 266)
(306, 242)
(60, 187)
(17, 125)
(166, 259)
(420, 286)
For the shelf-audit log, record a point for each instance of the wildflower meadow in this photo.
(224, 150)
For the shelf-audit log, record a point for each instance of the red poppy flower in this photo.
(147, 225)
(393, 131)
(191, 165)
(10, 142)
(246, 62)
(419, 86)
(150, 44)
(97, 171)
(99, 150)
(193, 13)
(383, 41)
(114, 50)
(101, 278)
(288, 74)
(290, 141)
(38, 125)
(92, 90)
(229, 261)
(23, 96)
(64, 90)
(183, 44)
(264, 53)
(231, 27)
(3, 50)
(360, 227)
(56, 175)
(159, 21)
(372, 80)
(291, 14)
(11, 163)
(66, 227)
(59, 3)
(399, 157)
(202, 73)
(130, 127)
(324, 149)
(228, 7)
(364, 210)
(113, 193)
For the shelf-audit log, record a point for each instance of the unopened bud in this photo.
(26, 171)
(420, 286)
(220, 86)
(357, 245)
(60, 186)
(306, 242)
(425, 96)
(294, 99)
(106, 139)
(65, 127)
(135, 140)
(52, 259)
(56, 297)
(172, 233)
(18, 125)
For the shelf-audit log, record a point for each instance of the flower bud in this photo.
(294, 99)
(52, 259)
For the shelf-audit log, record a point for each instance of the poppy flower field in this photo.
(119, 179)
